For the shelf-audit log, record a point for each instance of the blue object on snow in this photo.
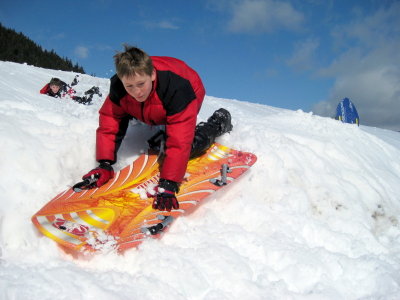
(347, 112)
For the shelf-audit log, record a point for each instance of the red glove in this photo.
(71, 91)
(104, 172)
(165, 198)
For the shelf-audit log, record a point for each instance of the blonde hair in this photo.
(132, 61)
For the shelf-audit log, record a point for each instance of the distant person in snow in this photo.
(157, 91)
(59, 89)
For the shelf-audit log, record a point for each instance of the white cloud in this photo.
(304, 54)
(161, 24)
(368, 68)
(81, 51)
(249, 16)
(167, 25)
(58, 36)
(375, 92)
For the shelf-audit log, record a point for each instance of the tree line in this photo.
(16, 47)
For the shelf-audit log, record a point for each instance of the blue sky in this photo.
(298, 54)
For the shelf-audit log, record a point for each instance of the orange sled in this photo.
(115, 216)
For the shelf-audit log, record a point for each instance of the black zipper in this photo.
(142, 104)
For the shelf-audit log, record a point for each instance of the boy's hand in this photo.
(165, 198)
(104, 172)
(165, 201)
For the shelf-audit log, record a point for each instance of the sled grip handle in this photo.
(224, 176)
(86, 184)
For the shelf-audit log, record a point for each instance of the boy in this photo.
(59, 89)
(55, 88)
(157, 91)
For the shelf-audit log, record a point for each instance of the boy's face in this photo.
(54, 88)
(139, 86)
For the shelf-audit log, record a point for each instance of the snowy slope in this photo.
(317, 217)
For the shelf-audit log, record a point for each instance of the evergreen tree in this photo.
(16, 47)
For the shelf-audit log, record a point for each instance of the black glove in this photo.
(165, 198)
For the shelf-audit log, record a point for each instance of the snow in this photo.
(317, 217)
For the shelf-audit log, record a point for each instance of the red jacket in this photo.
(174, 101)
